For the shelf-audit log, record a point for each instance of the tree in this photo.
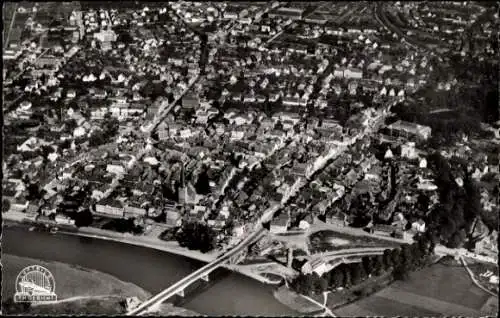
(401, 272)
(472, 206)
(83, 218)
(319, 283)
(358, 273)
(303, 284)
(33, 192)
(196, 236)
(367, 264)
(97, 138)
(378, 265)
(110, 126)
(423, 244)
(46, 151)
(406, 255)
(457, 239)
(396, 257)
(70, 125)
(387, 259)
(65, 144)
(203, 184)
(448, 227)
(5, 205)
(336, 278)
(347, 277)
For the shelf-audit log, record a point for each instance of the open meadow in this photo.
(442, 289)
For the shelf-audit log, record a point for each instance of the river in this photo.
(153, 270)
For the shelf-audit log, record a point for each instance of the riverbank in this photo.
(73, 282)
(228, 293)
(170, 247)
(295, 301)
(79, 290)
(149, 242)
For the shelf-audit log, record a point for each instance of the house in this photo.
(320, 207)
(19, 205)
(173, 216)
(45, 219)
(134, 209)
(279, 224)
(317, 266)
(408, 150)
(388, 229)
(115, 168)
(426, 184)
(62, 219)
(418, 226)
(339, 72)
(423, 163)
(351, 177)
(300, 169)
(110, 208)
(353, 73)
(9, 190)
(304, 225)
(239, 231)
(404, 128)
(190, 101)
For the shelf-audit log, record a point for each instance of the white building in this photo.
(62, 219)
(113, 168)
(317, 266)
(418, 226)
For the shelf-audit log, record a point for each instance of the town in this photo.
(371, 130)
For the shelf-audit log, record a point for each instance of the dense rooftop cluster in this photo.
(212, 113)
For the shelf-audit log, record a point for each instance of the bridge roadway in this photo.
(188, 280)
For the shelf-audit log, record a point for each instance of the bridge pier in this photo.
(181, 292)
(206, 277)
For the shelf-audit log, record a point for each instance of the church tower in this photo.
(182, 188)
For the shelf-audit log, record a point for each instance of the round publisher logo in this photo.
(35, 283)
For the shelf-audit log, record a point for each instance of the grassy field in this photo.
(295, 301)
(325, 240)
(370, 285)
(107, 306)
(442, 289)
(71, 281)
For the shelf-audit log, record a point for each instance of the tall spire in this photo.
(182, 187)
(183, 177)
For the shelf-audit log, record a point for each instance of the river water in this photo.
(152, 270)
